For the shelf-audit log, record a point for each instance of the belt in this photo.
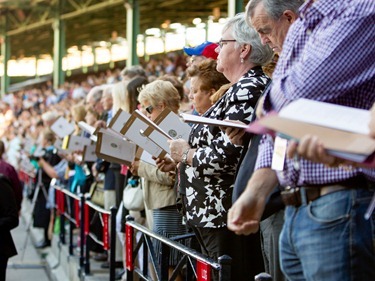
(292, 196)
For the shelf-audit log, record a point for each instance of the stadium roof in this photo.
(89, 21)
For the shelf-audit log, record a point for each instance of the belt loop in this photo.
(303, 196)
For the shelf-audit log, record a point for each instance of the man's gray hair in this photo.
(245, 34)
(133, 71)
(274, 8)
(95, 94)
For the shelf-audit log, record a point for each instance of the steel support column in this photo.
(58, 47)
(235, 7)
(5, 52)
(132, 30)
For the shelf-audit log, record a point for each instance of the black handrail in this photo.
(223, 265)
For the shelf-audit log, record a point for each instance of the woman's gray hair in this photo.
(274, 8)
(244, 34)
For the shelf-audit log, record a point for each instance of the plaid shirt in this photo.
(328, 55)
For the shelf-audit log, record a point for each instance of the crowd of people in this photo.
(303, 217)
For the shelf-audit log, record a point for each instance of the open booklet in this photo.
(190, 118)
(113, 147)
(151, 136)
(343, 130)
(62, 127)
(132, 131)
(88, 129)
(167, 126)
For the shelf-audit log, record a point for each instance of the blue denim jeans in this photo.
(329, 239)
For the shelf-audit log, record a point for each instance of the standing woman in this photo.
(205, 82)
(159, 195)
(41, 212)
(208, 161)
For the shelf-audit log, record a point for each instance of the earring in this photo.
(242, 60)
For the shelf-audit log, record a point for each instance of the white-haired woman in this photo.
(208, 160)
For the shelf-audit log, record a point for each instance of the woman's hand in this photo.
(178, 147)
(166, 164)
(235, 134)
(134, 167)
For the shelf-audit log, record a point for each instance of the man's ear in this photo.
(290, 16)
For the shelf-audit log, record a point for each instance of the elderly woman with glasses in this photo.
(208, 161)
(159, 195)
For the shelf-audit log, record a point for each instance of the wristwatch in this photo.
(184, 156)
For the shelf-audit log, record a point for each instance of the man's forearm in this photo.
(262, 182)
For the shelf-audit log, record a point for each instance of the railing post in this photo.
(225, 269)
(62, 216)
(129, 238)
(112, 243)
(71, 247)
(144, 248)
(82, 232)
(74, 212)
(87, 239)
(164, 266)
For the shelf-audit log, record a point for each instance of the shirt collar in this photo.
(312, 12)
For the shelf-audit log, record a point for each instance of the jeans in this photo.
(329, 239)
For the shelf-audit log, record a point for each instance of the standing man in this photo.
(328, 56)
(271, 19)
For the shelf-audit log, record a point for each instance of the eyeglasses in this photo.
(149, 109)
(222, 41)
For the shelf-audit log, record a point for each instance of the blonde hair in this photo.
(78, 112)
(119, 95)
(161, 92)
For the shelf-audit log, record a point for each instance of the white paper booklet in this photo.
(190, 118)
(62, 127)
(119, 120)
(115, 149)
(328, 115)
(132, 131)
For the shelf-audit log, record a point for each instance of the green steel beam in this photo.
(58, 49)
(132, 30)
(235, 7)
(239, 6)
(5, 52)
(84, 10)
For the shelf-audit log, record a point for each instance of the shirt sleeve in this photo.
(265, 152)
(316, 73)
(152, 173)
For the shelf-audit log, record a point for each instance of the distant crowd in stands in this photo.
(306, 220)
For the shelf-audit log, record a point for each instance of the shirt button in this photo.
(308, 31)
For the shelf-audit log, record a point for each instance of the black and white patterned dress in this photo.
(208, 183)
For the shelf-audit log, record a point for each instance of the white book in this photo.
(62, 127)
(190, 118)
(115, 149)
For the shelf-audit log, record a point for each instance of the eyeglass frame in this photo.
(222, 41)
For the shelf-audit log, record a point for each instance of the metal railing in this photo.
(76, 209)
(197, 266)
